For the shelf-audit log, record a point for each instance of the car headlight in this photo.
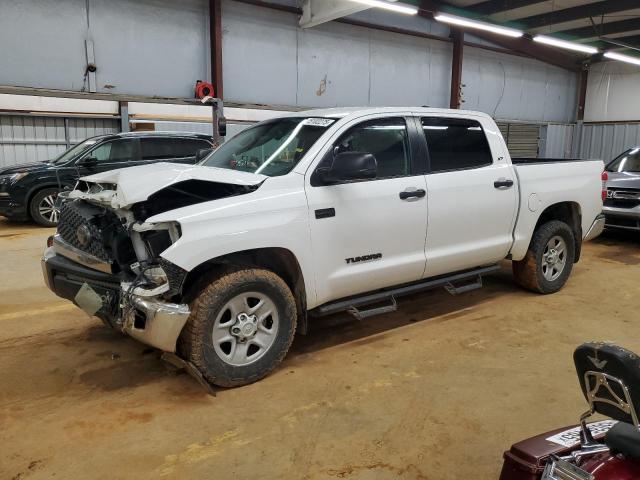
(12, 178)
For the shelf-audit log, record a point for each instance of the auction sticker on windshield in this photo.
(571, 437)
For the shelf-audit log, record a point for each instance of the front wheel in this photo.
(43, 207)
(241, 327)
(549, 260)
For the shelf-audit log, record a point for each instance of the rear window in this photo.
(456, 144)
(629, 161)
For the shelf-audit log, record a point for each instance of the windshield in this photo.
(629, 161)
(271, 148)
(67, 155)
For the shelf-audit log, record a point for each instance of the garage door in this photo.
(31, 139)
(522, 138)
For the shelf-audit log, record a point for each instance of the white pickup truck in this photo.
(310, 214)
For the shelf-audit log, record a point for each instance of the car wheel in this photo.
(549, 260)
(240, 328)
(43, 207)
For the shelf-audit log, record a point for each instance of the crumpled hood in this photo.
(136, 184)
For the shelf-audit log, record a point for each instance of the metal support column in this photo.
(456, 68)
(215, 37)
(124, 116)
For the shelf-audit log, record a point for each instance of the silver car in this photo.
(622, 205)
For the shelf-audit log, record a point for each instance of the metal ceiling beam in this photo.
(596, 9)
(315, 12)
(630, 41)
(610, 28)
(492, 7)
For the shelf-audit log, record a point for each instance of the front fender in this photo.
(274, 216)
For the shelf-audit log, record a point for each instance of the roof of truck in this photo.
(344, 111)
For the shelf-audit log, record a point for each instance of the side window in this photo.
(158, 148)
(102, 152)
(116, 151)
(386, 139)
(187, 147)
(456, 144)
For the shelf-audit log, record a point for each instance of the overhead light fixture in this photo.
(622, 58)
(488, 27)
(556, 42)
(399, 8)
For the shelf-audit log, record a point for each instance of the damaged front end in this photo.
(106, 257)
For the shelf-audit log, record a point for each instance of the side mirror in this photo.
(88, 162)
(202, 153)
(347, 166)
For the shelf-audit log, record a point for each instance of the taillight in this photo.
(605, 177)
(50, 241)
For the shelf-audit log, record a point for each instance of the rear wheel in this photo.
(43, 207)
(549, 260)
(241, 327)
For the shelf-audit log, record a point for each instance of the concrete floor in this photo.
(436, 390)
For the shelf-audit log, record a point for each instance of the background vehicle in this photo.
(622, 205)
(310, 214)
(606, 450)
(30, 190)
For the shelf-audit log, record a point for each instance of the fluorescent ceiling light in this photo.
(465, 22)
(622, 58)
(394, 7)
(556, 42)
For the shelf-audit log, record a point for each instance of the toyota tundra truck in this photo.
(219, 264)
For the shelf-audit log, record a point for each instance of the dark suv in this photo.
(30, 190)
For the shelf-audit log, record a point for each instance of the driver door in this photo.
(369, 234)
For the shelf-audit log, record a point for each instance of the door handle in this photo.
(503, 183)
(412, 194)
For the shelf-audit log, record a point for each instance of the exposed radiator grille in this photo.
(74, 215)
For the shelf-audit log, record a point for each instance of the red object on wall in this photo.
(204, 89)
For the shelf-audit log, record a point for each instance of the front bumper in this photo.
(11, 209)
(147, 319)
(622, 218)
(596, 228)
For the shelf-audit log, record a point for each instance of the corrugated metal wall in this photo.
(30, 139)
(522, 138)
(556, 141)
(605, 141)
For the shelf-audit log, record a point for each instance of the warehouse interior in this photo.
(439, 384)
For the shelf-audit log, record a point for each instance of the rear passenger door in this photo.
(472, 194)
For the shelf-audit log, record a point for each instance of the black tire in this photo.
(531, 270)
(196, 343)
(41, 216)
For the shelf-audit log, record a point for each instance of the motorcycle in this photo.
(605, 450)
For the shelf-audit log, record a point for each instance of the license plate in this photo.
(570, 438)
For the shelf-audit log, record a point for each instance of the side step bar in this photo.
(447, 281)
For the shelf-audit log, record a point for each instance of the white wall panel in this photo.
(516, 88)
(334, 66)
(153, 47)
(259, 48)
(612, 93)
